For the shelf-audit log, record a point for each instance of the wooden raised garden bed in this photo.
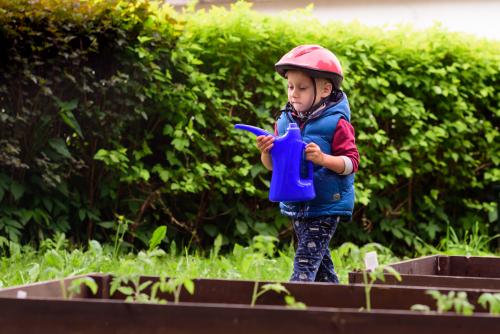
(223, 306)
(457, 272)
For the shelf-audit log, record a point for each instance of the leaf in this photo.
(189, 286)
(144, 174)
(210, 229)
(157, 237)
(420, 308)
(276, 287)
(95, 247)
(66, 112)
(292, 303)
(126, 290)
(17, 190)
(241, 227)
(393, 272)
(82, 214)
(217, 245)
(109, 224)
(75, 286)
(34, 272)
(180, 143)
(54, 259)
(47, 203)
(115, 284)
(60, 147)
(144, 285)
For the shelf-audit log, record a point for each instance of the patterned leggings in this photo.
(313, 262)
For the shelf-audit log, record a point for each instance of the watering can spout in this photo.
(253, 129)
(287, 156)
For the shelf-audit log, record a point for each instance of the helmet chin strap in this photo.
(313, 106)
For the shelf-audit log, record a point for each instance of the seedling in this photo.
(278, 288)
(375, 272)
(135, 291)
(173, 286)
(456, 301)
(76, 285)
(491, 299)
(420, 308)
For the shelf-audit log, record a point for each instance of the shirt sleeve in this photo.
(344, 145)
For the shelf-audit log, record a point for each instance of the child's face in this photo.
(301, 90)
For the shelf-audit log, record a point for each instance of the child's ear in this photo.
(326, 89)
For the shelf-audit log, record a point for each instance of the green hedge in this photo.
(121, 112)
(76, 77)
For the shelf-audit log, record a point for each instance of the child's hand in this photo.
(314, 154)
(265, 143)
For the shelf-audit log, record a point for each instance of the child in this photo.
(321, 110)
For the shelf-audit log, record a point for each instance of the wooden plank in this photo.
(96, 317)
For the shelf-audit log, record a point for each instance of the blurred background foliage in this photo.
(118, 116)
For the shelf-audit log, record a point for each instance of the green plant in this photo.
(137, 291)
(278, 288)
(173, 286)
(128, 107)
(157, 237)
(132, 287)
(72, 69)
(456, 301)
(492, 300)
(420, 308)
(122, 225)
(473, 242)
(376, 274)
(76, 285)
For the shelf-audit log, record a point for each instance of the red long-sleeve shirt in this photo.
(343, 143)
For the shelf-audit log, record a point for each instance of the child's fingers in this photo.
(265, 143)
(265, 138)
(267, 148)
(311, 147)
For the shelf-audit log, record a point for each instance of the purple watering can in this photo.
(286, 154)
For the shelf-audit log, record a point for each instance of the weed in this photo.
(259, 261)
(475, 243)
(157, 237)
(121, 229)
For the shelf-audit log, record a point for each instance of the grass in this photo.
(260, 260)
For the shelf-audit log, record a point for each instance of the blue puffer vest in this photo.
(334, 192)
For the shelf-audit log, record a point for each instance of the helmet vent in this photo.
(305, 50)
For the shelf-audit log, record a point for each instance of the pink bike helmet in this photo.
(314, 60)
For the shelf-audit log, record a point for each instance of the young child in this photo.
(321, 110)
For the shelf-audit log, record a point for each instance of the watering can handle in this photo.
(309, 165)
(253, 129)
